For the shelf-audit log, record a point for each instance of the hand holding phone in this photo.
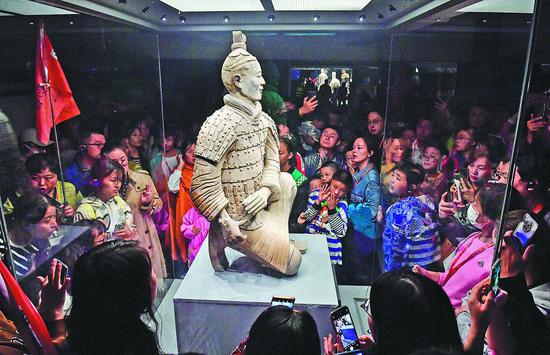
(344, 328)
(526, 229)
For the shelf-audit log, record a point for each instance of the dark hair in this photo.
(411, 312)
(105, 167)
(330, 164)
(413, 172)
(31, 208)
(38, 162)
(289, 145)
(281, 330)
(87, 128)
(370, 141)
(345, 178)
(436, 145)
(111, 289)
(333, 127)
(478, 155)
(491, 196)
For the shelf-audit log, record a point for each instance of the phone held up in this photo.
(344, 328)
(283, 301)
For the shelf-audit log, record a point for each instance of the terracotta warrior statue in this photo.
(237, 183)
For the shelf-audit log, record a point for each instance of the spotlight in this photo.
(123, 2)
(226, 19)
(182, 19)
(271, 18)
(484, 20)
(316, 18)
(528, 22)
(380, 16)
(437, 20)
(362, 18)
(392, 8)
(163, 18)
(71, 22)
(31, 23)
(145, 10)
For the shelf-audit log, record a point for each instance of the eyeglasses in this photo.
(366, 307)
(100, 145)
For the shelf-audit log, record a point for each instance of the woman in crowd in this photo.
(281, 330)
(393, 154)
(35, 223)
(132, 143)
(179, 183)
(105, 204)
(44, 178)
(363, 250)
(473, 257)
(463, 147)
(142, 197)
(112, 287)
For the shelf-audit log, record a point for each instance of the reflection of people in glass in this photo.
(36, 222)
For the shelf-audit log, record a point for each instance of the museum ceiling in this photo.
(285, 15)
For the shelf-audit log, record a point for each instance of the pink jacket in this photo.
(475, 257)
(191, 219)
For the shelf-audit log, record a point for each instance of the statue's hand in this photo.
(256, 201)
(231, 229)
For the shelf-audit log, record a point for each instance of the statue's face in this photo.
(250, 82)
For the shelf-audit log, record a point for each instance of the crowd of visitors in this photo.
(410, 208)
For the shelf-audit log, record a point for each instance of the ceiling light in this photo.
(319, 5)
(380, 16)
(226, 19)
(437, 20)
(528, 22)
(123, 2)
(31, 23)
(362, 18)
(71, 22)
(316, 18)
(484, 20)
(215, 5)
(182, 19)
(271, 18)
(145, 10)
(392, 8)
(163, 18)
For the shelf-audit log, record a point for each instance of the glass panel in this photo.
(113, 72)
(303, 109)
(454, 88)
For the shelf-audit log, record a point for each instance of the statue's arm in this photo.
(272, 167)
(206, 188)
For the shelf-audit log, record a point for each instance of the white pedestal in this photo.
(214, 311)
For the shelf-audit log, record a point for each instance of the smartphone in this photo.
(64, 271)
(310, 94)
(495, 276)
(283, 301)
(458, 185)
(353, 352)
(343, 325)
(526, 229)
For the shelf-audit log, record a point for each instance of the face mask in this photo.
(472, 214)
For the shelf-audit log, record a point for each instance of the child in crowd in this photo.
(327, 170)
(105, 204)
(194, 227)
(434, 181)
(315, 183)
(327, 212)
(411, 233)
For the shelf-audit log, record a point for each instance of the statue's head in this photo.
(241, 72)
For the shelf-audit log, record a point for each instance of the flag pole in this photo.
(56, 139)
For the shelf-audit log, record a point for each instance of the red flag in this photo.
(48, 70)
